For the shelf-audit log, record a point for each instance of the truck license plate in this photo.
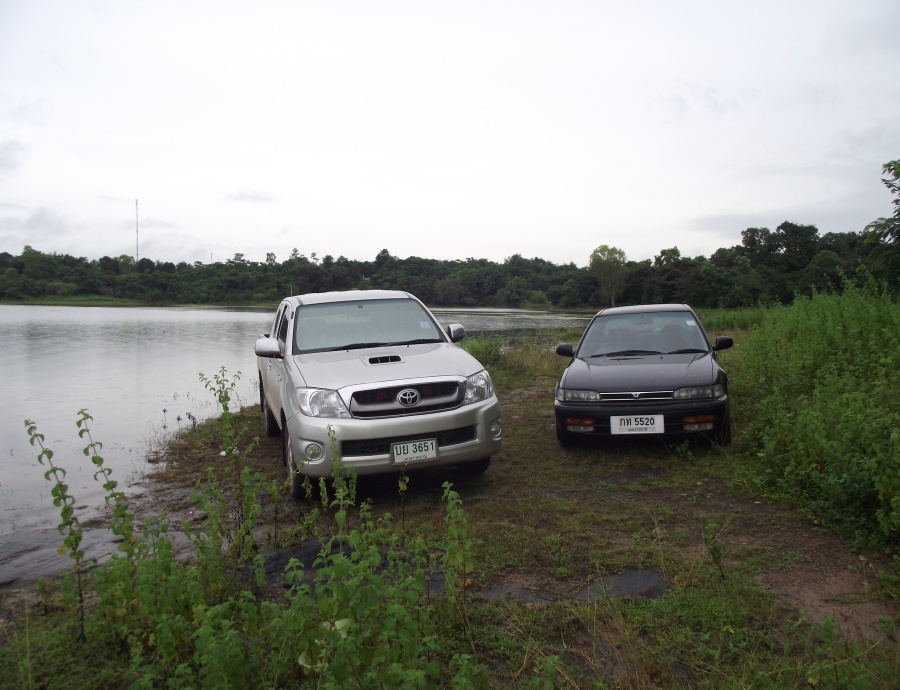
(414, 451)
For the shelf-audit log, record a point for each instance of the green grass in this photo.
(818, 383)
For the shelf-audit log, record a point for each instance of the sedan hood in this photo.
(640, 373)
(334, 370)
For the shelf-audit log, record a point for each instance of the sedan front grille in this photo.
(637, 397)
(382, 446)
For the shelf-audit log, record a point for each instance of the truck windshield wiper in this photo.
(625, 352)
(356, 346)
(363, 346)
(417, 341)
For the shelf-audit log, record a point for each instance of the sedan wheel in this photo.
(566, 440)
(723, 435)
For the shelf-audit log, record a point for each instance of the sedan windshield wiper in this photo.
(625, 352)
(687, 351)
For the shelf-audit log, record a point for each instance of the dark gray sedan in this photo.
(641, 371)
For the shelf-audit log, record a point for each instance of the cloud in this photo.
(11, 155)
(156, 224)
(252, 197)
(42, 222)
(175, 247)
(36, 113)
(39, 229)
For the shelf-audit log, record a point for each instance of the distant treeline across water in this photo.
(767, 267)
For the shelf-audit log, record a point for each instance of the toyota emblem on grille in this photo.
(408, 397)
(635, 395)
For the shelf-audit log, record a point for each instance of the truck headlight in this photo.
(478, 387)
(319, 402)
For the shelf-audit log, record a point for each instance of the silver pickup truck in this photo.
(369, 377)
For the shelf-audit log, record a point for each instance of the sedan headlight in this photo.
(318, 402)
(717, 390)
(567, 395)
(478, 387)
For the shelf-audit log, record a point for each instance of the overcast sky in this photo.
(438, 129)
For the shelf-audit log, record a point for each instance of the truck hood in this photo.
(640, 373)
(382, 365)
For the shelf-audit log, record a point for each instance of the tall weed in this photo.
(816, 393)
(364, 618)
(724, 320)
(488, 351)
(517, 365)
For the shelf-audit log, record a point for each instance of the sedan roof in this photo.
(644, 309)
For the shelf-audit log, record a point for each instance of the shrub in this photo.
(817, 386)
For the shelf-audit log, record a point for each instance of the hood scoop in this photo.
(383, 359)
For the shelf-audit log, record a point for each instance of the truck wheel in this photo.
(269, 422)
(296, 479)
(475, 467)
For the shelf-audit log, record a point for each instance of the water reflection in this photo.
(136, 371)
(514, 325)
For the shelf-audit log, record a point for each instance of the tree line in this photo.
(769, 266)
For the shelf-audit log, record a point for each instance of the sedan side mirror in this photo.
(723, 342)
(565, 349)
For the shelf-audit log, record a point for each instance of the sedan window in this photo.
(643, 334)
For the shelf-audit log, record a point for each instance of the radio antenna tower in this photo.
(137, 255)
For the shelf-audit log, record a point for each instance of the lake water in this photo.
(136, 371)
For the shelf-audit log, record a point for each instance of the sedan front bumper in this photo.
(685, 418)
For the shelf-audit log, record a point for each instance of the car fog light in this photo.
(699, 418)
(706, 426)
(313, 452)
(496, 429)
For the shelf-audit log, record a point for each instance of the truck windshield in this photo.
(361, 324)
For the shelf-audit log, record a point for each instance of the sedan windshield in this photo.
(360, 324)
(671, 332)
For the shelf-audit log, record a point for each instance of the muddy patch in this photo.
(632, 582)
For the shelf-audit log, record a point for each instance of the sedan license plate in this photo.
(414, 451)
(647, 424)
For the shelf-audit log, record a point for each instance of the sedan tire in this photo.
(723, 435)
(566, 440)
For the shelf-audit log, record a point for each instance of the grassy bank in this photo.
(101, 301)
(77, 301)
(433, 579)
